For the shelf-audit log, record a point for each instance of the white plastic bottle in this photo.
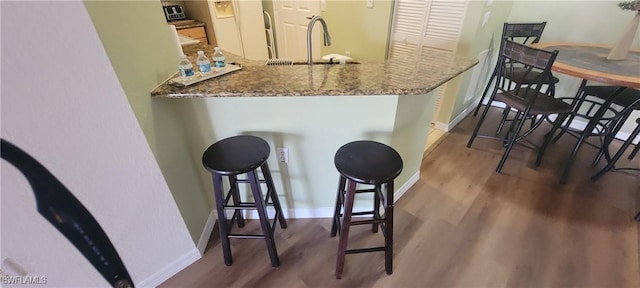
(203, 63)
(185, 67)
(218, 59)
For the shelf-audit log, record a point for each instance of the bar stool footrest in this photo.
(246, 236)
(365, 250)
(371, 221)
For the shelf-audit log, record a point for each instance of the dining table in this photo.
(589, 62)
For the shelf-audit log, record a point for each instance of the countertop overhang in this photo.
(415, 75)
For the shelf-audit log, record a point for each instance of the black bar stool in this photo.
(231, 157)
(370, 163)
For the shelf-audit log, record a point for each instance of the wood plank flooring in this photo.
(463, 225)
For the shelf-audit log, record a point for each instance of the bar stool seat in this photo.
(365, 163)
(235, 156)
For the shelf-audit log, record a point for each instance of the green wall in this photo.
(410, 131)
(474, 39)
(307, 183)
(139, 45)
(360, 30)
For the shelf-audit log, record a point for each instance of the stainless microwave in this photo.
(174, 12)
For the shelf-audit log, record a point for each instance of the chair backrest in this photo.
(525, 33)
(519, 61)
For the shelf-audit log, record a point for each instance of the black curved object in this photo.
(56, 204)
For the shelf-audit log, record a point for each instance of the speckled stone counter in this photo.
(415, 76)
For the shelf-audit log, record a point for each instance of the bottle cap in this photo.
(216, 48)
(200, 52)
(183, 56)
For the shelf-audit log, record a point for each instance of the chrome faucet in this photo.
(327, 38)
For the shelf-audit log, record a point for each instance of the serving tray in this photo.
(178, 80)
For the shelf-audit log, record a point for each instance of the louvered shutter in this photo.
(422, 24)
(443, 23)
(435, 23)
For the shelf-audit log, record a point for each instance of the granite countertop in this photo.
(411, 76)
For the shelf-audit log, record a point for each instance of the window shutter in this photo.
(420, 25)
(444, 20)
(434, 23)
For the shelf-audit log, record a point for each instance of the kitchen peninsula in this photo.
(314, 109)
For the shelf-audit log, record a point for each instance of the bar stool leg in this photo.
(336, 213)
(235, 194)
(388, 231)
(222, 218)
(376, 207)
(344, 233)
(271, 190)
(264, 218)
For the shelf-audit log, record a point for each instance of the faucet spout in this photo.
(327, 38)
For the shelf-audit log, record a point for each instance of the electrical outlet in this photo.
(369, 3)
(283, 154)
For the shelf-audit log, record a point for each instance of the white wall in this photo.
(62, 103)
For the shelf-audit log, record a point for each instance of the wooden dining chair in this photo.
(531, 101)
(524, 33)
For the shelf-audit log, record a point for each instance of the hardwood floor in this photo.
(463, 225)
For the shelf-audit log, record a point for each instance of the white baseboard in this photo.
(172, 269)
(449, 126)
(406, 186)
(206, 232)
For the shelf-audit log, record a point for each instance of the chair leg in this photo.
(549, 136)
(484, 115)
(515, 122)
(505, 114)
(634, 152)
(235, 194)
(264, 218)
(486, 89)
(587, 132)
(512, 141)
(336, 211)
(574, 152)
(222, 218)
(611, 165)
(612, 131)
(575, 103)
(388, 230)
(344, 233)
(273, 194)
